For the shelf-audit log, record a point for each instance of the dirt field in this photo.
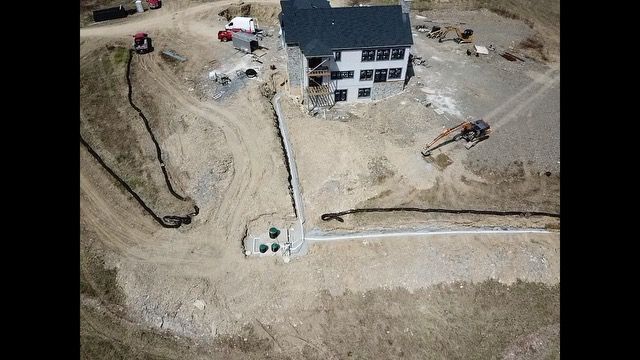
(368, 155)
(190, 293)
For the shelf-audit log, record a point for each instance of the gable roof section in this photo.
(319, 31)
(304, 4)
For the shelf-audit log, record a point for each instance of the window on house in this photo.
(340, 95)
(368, 55)
(381, 75)
(364, 92)
(397, 54)
(395, 73)
(337, 75)
(366, 75)
(337, 55)
(383, 54)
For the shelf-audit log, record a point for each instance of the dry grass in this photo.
(535, 45)
(542, 12)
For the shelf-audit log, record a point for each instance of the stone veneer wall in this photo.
(386, 89)
(294, 70)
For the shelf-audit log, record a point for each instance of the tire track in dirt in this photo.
(248, 172)
(249, 166)
(534, 90)
(129, 232)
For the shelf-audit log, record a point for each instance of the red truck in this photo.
(225, 35)
(154, 4)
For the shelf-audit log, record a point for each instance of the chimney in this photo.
(406, 5)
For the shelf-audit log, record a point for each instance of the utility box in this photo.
(245, 42)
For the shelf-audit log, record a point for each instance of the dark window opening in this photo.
(364, 92)
(381, 75)
(313, 62)
(337, 75)
(395, 73)
(337, 55)
(366, 75)
(340, 95)
(383, 54)
(397, 54)
(368, 55)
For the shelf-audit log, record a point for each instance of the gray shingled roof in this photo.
(319, 31)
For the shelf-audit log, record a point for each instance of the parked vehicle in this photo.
(245, 24)
(225, 35)
(154, 4)
(142, 43)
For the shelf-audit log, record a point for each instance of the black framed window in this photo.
(340, 95)
(366, 75)
(337, 75)
(337, 55)
(395, 73)
(381, 75)
(364, 92)
(397, 54)
(368, 55)
(346, 74)
(383, 54)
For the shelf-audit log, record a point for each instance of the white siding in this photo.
(351, 61)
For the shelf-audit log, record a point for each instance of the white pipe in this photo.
(423, 233)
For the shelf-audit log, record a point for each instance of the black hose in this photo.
(338, 215)
(146, 124)
(168, 221)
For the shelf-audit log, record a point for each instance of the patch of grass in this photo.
(135, 183)
(449, 321)
(552, 226)
(96, 280)
(123, 157)
(121, 55)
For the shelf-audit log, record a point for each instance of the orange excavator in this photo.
(473, 132)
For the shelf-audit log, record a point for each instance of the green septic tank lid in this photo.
(263, 248)
(275, 247)
(274, 232)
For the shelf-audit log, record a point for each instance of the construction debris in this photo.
(510, 54)
(481, 49)
(418, 60)
(462, 37)
(174, 55)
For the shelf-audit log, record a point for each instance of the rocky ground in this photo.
(190, 293)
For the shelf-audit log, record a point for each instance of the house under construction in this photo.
(348, 54)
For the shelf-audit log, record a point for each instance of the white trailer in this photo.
(245, 24)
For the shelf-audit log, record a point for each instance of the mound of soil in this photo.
(266, 14)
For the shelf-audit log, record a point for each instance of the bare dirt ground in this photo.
(154, 293)
(368, 155)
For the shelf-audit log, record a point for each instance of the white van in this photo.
(245, 24)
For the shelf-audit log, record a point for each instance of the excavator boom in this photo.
(443, 134)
